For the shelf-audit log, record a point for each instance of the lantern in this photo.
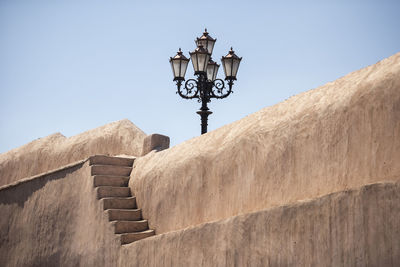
(200, 58)
(179, 65)
(212, 70)
(231, 65)
(206, 41)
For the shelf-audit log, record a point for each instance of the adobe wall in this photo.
(55, 220)
(342, 135)
(54, 151)
(351, 228)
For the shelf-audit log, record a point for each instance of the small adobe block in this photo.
(156, 142)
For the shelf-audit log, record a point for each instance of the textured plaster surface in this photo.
(339, 136)
(54, 151)
(55, 220)
(358, 227)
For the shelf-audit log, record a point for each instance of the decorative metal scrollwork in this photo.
(190, 89)
(219, 90)
(204, 90)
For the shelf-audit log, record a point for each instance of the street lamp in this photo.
(206, 86)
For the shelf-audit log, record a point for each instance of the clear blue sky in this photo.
(70, 66)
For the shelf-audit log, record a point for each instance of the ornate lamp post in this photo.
(206, 86)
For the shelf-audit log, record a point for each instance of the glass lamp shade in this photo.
(231, 65)
(206, 41)
(200, 58)
(179, 65)
(212, 70)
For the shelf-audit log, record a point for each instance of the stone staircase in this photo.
(110, 179)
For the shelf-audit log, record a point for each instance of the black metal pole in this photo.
(205, 98)
(204, 112)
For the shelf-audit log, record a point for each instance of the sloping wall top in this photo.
(342, 135)
(54, 151)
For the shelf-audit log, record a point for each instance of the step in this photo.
(110, 170)
(119, 203)
(121, 227)
(124, 214)
(109, 180)
(112, 191)
(107, 160)
(132, 237)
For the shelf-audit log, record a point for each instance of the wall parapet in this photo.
(52, 152)
(29, 179)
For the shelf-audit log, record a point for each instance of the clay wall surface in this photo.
(350, 228)
(342, 135)
(54, 151)
(55, 220)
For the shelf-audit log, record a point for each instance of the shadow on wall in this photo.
(19, 193)
(53, 260)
